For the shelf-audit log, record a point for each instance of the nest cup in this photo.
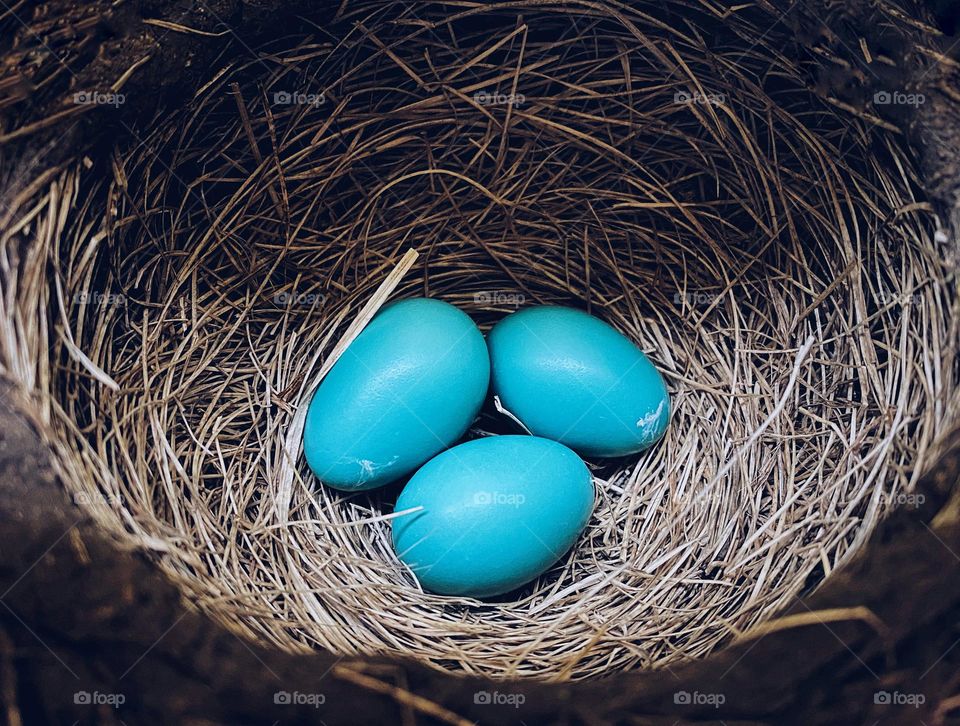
(667, 170)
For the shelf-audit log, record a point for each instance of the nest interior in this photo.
(667, 169)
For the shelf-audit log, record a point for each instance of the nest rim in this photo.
(128, 507)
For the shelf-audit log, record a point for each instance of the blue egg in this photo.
(496, 513)
(407, 387)
(573, 378)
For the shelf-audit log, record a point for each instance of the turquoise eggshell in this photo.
(408, 386)
(497, 512)
(571, 377)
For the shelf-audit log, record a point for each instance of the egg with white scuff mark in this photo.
(408, 386)
(488, 516)
(571, 377)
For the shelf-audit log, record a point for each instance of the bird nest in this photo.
(668, 170)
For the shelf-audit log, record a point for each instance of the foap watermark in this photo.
(499, 297)
(486, 98)
(83, 499)
(100, 298)
(99, 98)
(296, 698)
(499, 499)
(496, 698)
(303, 299)
(86, 698)
(898, 98)
(884, 297)
(686, 698)
(298, 98)
(909, 500)
(699, 98)
(694, 299)
(886, 698)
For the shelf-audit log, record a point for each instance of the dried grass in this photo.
(767, 250)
